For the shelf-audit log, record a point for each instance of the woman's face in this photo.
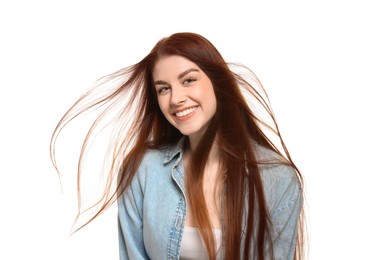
(185, 95)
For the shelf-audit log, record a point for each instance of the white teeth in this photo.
(185, 112)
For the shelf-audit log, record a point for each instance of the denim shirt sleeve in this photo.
(285, 201)
(130, 230)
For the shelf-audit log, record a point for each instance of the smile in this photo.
(185, 112)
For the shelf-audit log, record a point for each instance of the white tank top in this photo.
(192, 245)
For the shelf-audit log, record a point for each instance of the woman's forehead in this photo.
(172, 66)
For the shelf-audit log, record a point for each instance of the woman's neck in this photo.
(213, 154)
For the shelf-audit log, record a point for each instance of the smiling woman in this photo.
(185, 96)
(192, 167)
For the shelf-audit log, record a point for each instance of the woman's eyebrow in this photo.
(186, 72)
(181, 75)
(160, 82)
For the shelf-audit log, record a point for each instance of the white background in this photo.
(325, 65)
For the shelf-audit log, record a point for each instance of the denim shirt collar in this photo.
(174, 150)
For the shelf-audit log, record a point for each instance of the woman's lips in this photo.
(185, 113)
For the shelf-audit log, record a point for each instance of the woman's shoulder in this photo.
(273, 163)
(154, 154)
(160, 158)
(268, 156)
(165, 153)
(153, 158)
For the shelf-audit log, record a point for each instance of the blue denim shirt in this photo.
(152, 209)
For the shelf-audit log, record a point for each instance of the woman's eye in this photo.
(163, 90)
(189, 80)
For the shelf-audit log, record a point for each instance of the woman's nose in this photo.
(178, 96)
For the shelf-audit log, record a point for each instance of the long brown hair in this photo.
(139, 125)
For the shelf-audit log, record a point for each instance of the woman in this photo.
(197, 174)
